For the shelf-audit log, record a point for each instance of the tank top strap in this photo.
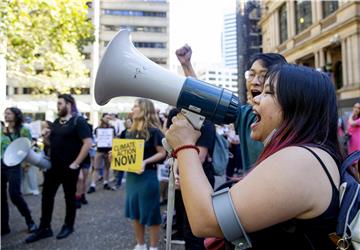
(322, 165)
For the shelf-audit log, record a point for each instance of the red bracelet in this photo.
(174, 153)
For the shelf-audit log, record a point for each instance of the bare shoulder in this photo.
(298, 185)
(295, 158)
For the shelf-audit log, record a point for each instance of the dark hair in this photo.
(267, 59)
(104, 114)
(308, 102)
(69, 99)
(19, 117)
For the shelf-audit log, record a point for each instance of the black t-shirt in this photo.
(207, 140)
(66, 140)
(150, 145)
(104, 149)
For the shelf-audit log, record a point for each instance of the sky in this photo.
(198, 23)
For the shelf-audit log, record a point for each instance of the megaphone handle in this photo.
(196, 121)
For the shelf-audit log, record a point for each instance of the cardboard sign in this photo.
(104, 137)
(127, 155)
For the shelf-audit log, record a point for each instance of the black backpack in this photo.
(348, 223)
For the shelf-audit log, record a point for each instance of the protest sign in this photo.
(127, 155)
(104, 137)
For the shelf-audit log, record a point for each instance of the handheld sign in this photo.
(127, 155)
(104, 137)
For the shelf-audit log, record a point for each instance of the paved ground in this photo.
(99, 225)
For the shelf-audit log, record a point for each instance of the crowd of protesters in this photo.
(80, 158)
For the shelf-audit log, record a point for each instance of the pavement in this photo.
(99, 225)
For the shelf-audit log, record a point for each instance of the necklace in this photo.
(63, 121)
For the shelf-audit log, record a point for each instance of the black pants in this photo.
(12, 175)
(53, 178)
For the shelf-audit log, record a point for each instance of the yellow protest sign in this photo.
(127, 154)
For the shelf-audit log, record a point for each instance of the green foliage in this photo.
(44, 40)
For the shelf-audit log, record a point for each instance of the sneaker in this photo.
(32, 227)
(35, 192)
(107, 187)
(91, 190)
(140, 247)
(39, 234)
(115, 188)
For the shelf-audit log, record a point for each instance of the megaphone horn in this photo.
(124, 71)
(20, 150)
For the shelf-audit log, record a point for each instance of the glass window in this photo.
(149, 45)
(329, 7)
(283, 23)
(134, 13)
(302, 15)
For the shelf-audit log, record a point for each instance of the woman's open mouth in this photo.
(257, 121)
(255, 92)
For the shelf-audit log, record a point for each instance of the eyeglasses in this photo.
(250, 75)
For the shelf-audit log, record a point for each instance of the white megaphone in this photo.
(20, 150)
(124, 71)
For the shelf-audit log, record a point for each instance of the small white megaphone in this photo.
(20, 150)
(124, 71)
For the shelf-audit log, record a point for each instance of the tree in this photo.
(45, 41)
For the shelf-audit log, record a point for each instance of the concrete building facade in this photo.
(220, 76)
(229, 49)
(320, 34)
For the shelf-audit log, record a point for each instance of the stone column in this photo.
(291, 18)
(355, 52)
(349, 61)
(344, 62)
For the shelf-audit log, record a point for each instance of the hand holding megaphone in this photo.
(20, 150)
(181, 132)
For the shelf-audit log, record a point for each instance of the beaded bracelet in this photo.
(174, 153)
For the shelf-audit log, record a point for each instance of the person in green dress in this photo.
(142, 188)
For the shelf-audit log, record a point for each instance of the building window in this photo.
(150, 45)
(329, 7)
(303, 15)
(134, 13)
(283, 23)
(28, 91)
(153, 29)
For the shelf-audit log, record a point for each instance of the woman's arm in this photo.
(289, 184)
(160, 155)
(354, 123)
